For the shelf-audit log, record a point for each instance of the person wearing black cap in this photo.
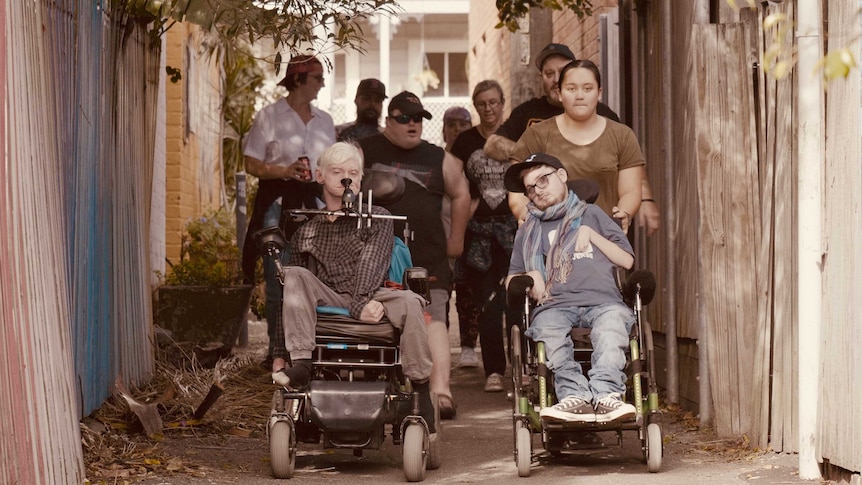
(550, 62)
(281, 150)
(369, 106)
(423, 172)
(569, 248)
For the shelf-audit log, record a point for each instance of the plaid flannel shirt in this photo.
(353, 262)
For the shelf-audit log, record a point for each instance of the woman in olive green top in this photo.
(590, 146)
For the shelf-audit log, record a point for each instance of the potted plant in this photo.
(203, 299)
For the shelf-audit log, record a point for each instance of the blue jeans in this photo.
(272, 307)
(610, 324)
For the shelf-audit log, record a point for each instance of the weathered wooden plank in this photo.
(761, 198)
(708, 139)
(728, 201)
(782, 153)
(841, 331)
(685, 227)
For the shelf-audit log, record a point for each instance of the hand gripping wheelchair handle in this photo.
(643, 281)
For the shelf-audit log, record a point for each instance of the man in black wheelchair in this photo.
(343, 261)
(570, 250)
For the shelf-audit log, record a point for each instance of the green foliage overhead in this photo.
(292, 25)
(511, 11)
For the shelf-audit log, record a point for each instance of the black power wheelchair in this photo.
(533, 387)
(358, 390)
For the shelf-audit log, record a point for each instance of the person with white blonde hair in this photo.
(334, 263)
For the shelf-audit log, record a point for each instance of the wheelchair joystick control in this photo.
(348, 198)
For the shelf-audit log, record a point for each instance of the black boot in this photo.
(297, 376)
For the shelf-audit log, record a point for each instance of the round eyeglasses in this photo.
(541, 183)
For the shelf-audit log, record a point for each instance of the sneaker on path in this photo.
(468, 358)
(572, 409)
(612, 408)
(494, 383)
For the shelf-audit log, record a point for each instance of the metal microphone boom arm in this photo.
(349, 202)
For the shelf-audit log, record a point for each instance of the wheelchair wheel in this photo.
(523, 448)
(282, 449)
(413, 452)
(653, 447)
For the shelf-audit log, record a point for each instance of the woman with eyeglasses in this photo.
(487, 241)
(589, 146)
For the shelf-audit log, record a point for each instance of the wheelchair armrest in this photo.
(518, 287)
(269, 239)
(642, 281)
(620, 280)
(416, 280)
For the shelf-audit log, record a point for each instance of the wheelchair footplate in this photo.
(582, 437)
(575, 441)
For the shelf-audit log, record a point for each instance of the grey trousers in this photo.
(303, 292)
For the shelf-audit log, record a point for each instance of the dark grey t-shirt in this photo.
(591, 281)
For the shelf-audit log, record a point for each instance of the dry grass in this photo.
(117, 450)
(685, 429)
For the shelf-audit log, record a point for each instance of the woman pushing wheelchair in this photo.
(570, 249)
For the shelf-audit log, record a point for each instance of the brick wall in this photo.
(490, 53)
(582, 35)
(192, 185)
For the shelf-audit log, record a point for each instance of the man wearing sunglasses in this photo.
(416, 174)
(569, 249)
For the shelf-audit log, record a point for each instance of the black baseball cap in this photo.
(408, 103)
(554, 50)
(372, 86)
(513, 180)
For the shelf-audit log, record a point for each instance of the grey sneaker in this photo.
(494, 383)
(468, 358)
(612, 408)
(573, 409)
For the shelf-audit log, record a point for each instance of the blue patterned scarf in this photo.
(570, 211)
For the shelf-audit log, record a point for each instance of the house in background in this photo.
(398, 49)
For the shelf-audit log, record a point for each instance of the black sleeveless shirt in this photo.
(421, 169)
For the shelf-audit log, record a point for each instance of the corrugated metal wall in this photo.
(80, 91)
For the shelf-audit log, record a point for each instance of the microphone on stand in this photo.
(348, 198)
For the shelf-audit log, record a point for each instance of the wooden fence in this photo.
(841, 335)
(745, 163)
